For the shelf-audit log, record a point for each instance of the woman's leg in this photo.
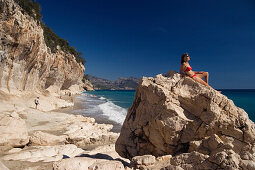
(204, 75)
(198, 79)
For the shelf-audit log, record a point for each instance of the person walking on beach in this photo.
(195, 75)
(36, 102)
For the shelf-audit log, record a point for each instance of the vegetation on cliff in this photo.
(52, 40)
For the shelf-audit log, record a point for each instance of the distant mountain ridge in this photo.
(122, 83)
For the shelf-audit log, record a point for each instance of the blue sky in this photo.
(122, 38)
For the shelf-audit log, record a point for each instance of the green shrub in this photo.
(52, 40)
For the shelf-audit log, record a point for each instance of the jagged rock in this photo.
(44, 139)
(45, 153)
(149, 162)
(247, 165)
(88, 86)
(86, 133)
(174, 114)
(3, 56)
(143, 160)
(26, 62)
(193, 160)
(13, 130)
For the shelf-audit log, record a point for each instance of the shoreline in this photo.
(77, 105)
(61, 125)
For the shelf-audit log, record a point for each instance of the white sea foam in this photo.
(113, 112)
(102, 98)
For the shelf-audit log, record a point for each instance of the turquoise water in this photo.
(243, 98)
(113, 102)
(122, 98)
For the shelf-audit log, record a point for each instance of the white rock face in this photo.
(44, 139)
(45, 153)
(87, 132)
(103, 157)
(26, 63)
(174, 115)
(13, 130)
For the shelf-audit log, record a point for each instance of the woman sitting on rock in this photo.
(195, 75)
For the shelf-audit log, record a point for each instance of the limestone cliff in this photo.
(176, 115)
(26, 63)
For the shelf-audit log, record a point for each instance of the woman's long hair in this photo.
(183, 57)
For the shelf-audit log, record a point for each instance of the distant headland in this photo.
(122, 83)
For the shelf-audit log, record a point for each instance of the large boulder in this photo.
(174, 115)
(13, 130)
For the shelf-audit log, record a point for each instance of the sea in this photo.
(111, 106)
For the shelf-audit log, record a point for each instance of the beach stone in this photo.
(40, 138)
(164, 158)
(143, 160)
(45, 153)
(13, 130)
(175, 115)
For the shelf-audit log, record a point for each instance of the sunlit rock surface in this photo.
(26, 63)
(175, 115)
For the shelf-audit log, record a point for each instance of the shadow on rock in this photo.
(97, 156)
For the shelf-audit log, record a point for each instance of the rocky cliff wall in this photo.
(26, 63)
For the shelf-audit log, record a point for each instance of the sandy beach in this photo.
(48, 127)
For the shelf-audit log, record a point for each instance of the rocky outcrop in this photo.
(26, 63)
(88, 86)
(13, 131)
(175, 115)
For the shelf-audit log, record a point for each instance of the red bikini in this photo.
(189, 69)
